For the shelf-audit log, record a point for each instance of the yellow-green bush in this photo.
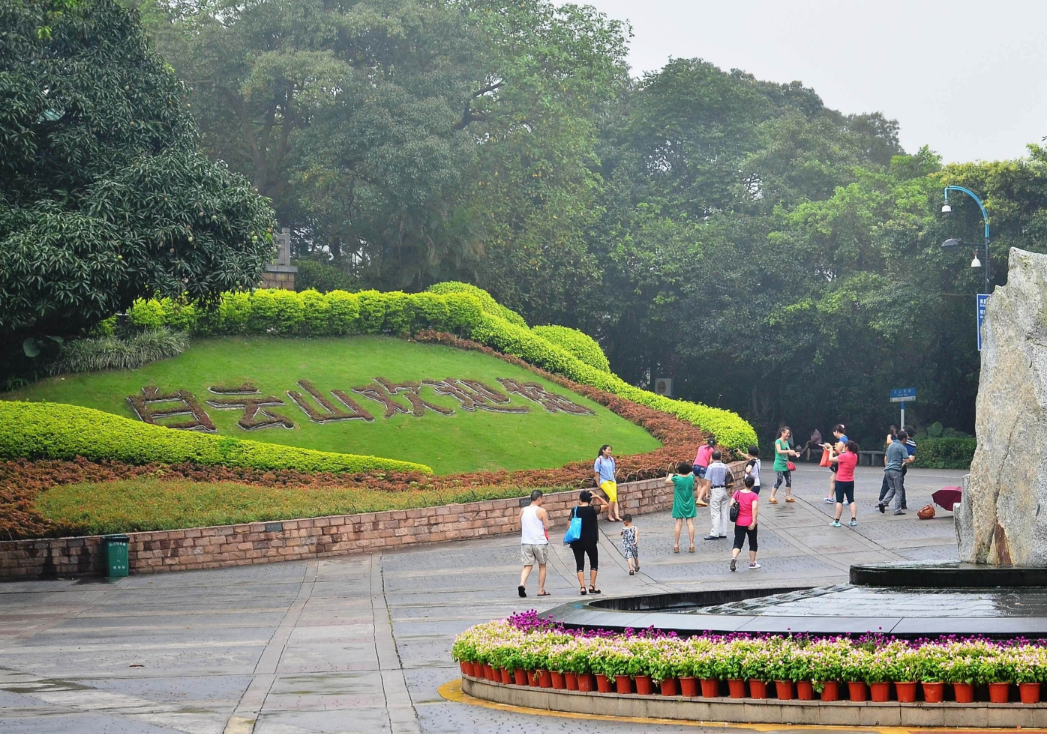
(578, 343)
(59, 431)
(487, 301)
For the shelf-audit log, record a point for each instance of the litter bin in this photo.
(116, 565)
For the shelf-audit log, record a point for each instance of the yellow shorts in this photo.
(611, 490)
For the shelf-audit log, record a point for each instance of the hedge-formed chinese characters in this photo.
(404, 398)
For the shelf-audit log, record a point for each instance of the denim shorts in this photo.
(699, 471)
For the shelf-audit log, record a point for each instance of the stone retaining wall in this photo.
(267, 542)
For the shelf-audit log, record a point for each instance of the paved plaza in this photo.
(361, 644)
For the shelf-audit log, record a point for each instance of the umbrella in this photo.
(946, 497)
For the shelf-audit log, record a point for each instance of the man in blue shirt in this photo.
(897, 456)
(910, 446)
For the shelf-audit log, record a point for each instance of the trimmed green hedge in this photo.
(463, 309)
(578, 343)
(59, 431)
(945, 453)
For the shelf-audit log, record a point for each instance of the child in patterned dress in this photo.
(630, 536)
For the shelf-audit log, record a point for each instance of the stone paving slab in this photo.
(361, 644)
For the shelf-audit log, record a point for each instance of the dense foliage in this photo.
(112, 352)
(770, 254)
(104, 195)
(946, 453)
(581, 345)
(59, 431)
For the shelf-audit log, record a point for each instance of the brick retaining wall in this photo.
(267, 542)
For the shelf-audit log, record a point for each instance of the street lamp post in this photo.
(957, 243)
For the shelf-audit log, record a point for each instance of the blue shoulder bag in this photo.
(574, 530)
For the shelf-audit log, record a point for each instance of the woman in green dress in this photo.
(683, 502)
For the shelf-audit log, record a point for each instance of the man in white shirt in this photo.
(534, 542)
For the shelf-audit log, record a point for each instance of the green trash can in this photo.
(116, 565)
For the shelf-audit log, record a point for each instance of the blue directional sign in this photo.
(903, 395)
(983, 300)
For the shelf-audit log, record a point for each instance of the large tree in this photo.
(104, 196)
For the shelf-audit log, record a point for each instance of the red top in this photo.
(846, 462)
(745, 507)
(705, 453)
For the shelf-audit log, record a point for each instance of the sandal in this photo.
(631, 573)
(676, 549)
(773, 501)
(544, 593)
(594, 590)
(691, 549)
(790, 499)
(702, 504)
(583, 591)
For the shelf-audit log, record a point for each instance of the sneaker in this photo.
(754, 565)
(734, 564)
(899, 512)
(711, 537)
(828, 500)
(722, 537)
(853, 523)
(882, 508)
(522, 591)
(836, 523)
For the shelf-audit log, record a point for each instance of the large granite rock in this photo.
(1002, 519)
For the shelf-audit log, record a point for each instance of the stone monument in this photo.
(1002, 519)
(280, 273)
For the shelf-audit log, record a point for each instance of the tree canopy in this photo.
(104, 195)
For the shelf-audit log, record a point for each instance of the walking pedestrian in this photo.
(892, 436)
(701, 465)
(604, 468)
(534, 542)
(683, 502)
(718, 476)
(587, 541)
(631, 542)
(782, 451)
(845, 483)
(745, 526)
(835, 450)
(752, 467)
(910, 446)
(892, 471)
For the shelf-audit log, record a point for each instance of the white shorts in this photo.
(531, 554)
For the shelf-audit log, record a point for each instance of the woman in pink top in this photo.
(701, 463)
(845, 464)
(748, 509)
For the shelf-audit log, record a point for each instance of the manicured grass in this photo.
(458, 443)
(153, 504)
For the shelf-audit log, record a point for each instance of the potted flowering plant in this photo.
(643, 654)
(1029, 671)
(998, 672)
(906, 667)
(756, 668)
(727, 665)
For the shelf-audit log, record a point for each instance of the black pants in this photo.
(740, 531)
(581, 550)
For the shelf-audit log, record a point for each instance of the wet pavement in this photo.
(361, 644)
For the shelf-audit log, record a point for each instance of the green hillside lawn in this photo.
(458, 443)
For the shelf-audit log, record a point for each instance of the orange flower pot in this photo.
(804, 690)
(906, 691)
(532, 678)
(688, 686)
(489, 673)
(737, 688)
(507, 677)
(520, 677)
(831, 691)
(587, 683)
(1030, 692)
(964, 692)
(999, 692)
(858, 690)
(784, 689)
(603, 684)
(933, 692)
(544, 679)
(880, 692)
(710, 688)
(669, 687)
(558, 680)
(644, 685)
(467, 667)
(571, 679)
(623, 684)
(757, 689)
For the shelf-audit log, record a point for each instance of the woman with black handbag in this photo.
(744, 511)
(588, 538)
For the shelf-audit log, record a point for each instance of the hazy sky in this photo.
(967, 78)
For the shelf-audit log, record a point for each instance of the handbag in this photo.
(926, 512)
(825, 458)
(574, 530)
(734, 511)
(790, 465)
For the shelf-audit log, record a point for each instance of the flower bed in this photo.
(873, 666)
